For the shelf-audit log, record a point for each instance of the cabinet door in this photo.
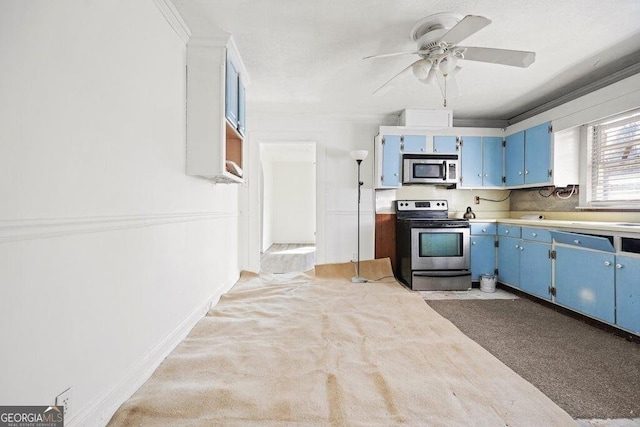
(471, 161)
(628, 293)
(483, 256)
(414, 143)
(492, 161)
(535, 268)
(514, 159)
(537, 155)
(391, 159)
(242, 117)
(445, 144)
(584, 282)
(231, 93)
(509, 261)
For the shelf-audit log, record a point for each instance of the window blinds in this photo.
(615, 160)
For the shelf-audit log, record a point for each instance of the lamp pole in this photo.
(359, 156)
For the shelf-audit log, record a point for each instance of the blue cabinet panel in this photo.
(537, 154)
(471, 161)
(231, 93)
(535, 268)
(508, 230)
(483, 256)
(628, 293)
(509, 261)
(414, 143)
(514, 159)
(584, 281)
(391, 159)
(483, 228)
(492, 161)
(445, 144)
(536, 234)
(583, 241)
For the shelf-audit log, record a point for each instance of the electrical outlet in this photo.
(476, 200)
(64, 400)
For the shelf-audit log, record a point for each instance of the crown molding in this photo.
(173, 17)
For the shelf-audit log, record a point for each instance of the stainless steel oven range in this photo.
(432, 249)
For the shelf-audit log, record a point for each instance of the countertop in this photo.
(618, 227)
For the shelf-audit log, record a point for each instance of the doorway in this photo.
(288, 213)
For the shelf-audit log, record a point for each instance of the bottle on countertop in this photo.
(469, 213)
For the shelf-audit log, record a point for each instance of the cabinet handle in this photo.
(473, 243)
(519, 172)
(576, 241)
(526, 172)
(517, 247)
(607, 263)
(506, 231)
(484, 230)
(480, 175)
(534, 234)
(619, 266)
(521, 248)
(486, 174)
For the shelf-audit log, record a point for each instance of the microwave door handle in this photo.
(444, 166)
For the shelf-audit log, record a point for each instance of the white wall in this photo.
(336, 186)
(294, 204)
(108, 252)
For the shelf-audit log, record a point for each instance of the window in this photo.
(615, 161)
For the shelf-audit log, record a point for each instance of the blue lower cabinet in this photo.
(483, 256)
(628, 293)
(535, 269)
(584, 281)
(509, 261)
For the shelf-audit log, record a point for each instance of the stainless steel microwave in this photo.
(430, 168)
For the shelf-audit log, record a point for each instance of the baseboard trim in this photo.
(100, 411)
(12, 230)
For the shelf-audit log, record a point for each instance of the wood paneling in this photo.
(386, 238)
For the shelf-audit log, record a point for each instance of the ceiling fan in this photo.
(437, 37)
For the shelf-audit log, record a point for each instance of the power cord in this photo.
(491, 200)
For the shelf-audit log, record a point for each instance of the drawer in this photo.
(536, 234)
(509, 230)
(583, 241)
(484, 228)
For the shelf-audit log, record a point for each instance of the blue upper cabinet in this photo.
(445, 144)
(232, 93)
(492, 161)
(537, 154)
(514, 159)
(242, 117)
(413, 143)
(391, 159)
(471, 161)
(528, 157)
(481, 161)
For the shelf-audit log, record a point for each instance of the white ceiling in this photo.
(305, 56)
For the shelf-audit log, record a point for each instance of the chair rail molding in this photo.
(12, 230)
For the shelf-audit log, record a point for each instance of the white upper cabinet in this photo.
(216, 80)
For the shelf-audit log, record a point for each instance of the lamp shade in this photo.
(448, 64)
(359, 154)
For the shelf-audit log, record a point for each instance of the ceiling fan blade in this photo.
(469, 25)
(389, 81)
(386, 55)
(514, 58)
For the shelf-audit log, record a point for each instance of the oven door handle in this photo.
(447, 273)
(444, 172)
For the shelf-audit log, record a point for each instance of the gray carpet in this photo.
(589, 372)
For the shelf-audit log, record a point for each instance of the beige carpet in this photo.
(315, 349)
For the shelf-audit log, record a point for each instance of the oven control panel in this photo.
(422, 205)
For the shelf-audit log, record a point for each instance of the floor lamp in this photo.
(359, 156)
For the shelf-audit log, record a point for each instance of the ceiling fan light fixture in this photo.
(422, 68)
(431, 77)
(447, 64)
